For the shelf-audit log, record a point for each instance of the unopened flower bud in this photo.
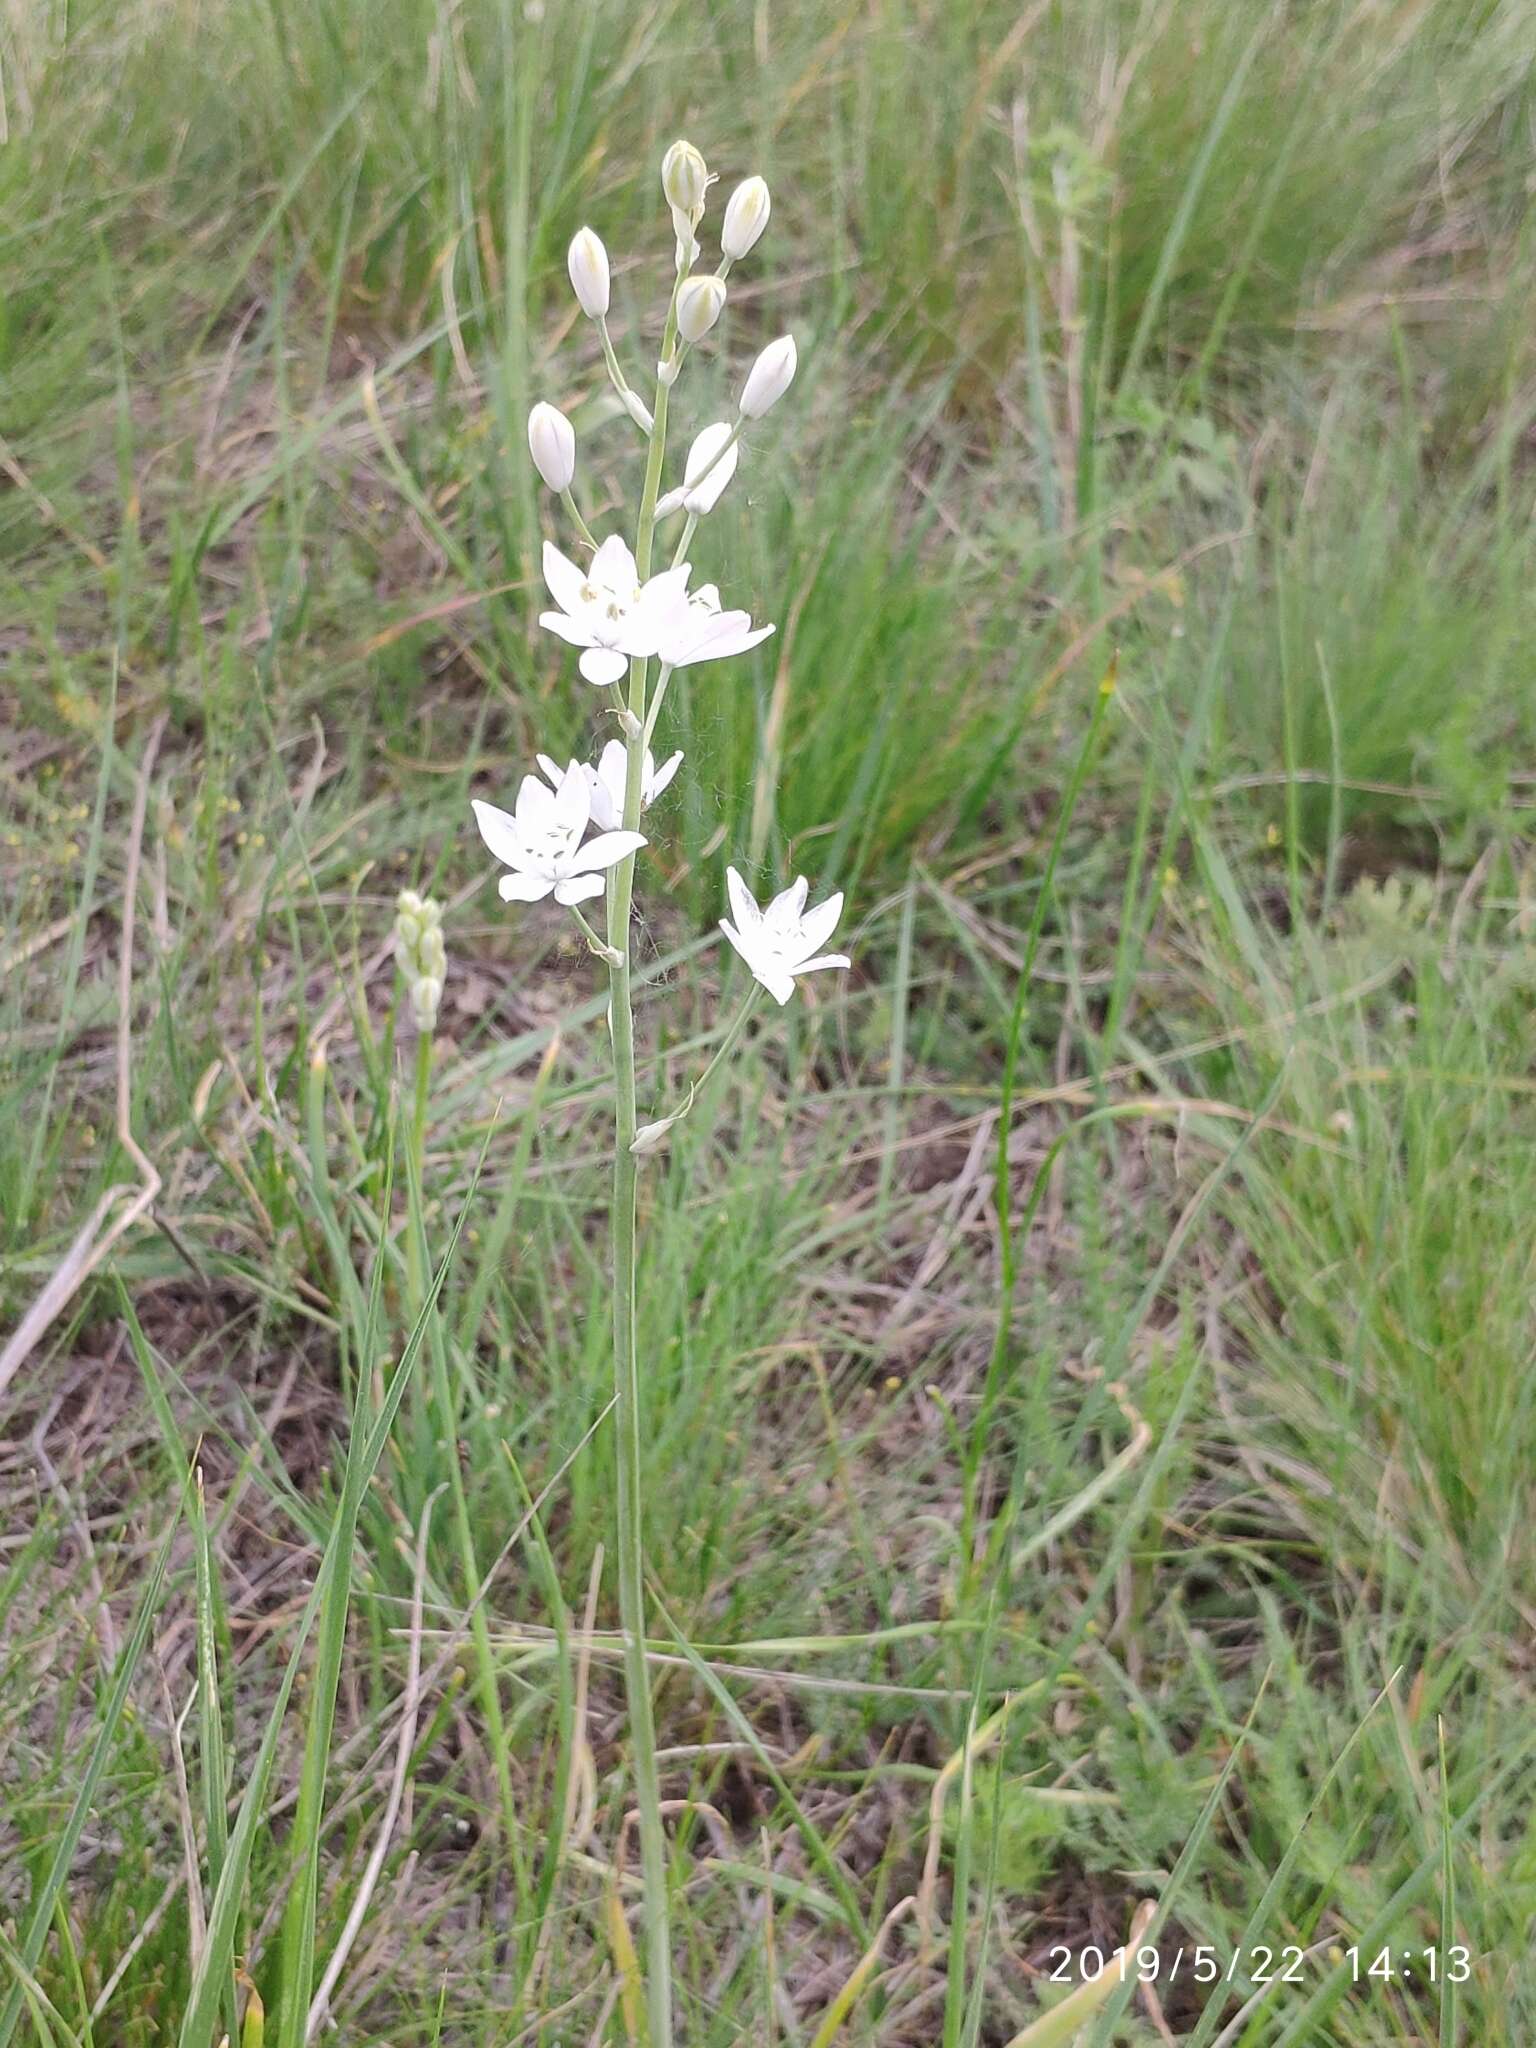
(684, 178)
(746, 215)
(769, 378)
(638, 411)
(432, 954)
(705, 474)
(587, 262)
(426, 994)
(408, 903)
(552, 444)
(699, 304)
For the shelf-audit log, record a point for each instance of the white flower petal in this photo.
(603, 665)
(661, 779)
(823, 960)
(577, 888)
(818, 925)
(499, 831)
(564, 579)
(608, 848)
(743, 906)
(613, 566)
(551, 770)
(780, 986)
(524, 888)
(570, 630)
(786, 907)
(573, 802)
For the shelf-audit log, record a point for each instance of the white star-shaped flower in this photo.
(606, 780)
(700, 631)
(785, 939)
(540, 841)
(606, 610)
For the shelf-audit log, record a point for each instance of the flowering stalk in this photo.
(626, 1364)
(621, 616)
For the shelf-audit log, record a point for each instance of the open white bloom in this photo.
(606, 610)
(700, 302)
(552, 444)
(785, 939)
(540, 841)
(700, 493)
(701, 631)
(746, 215)
(587, 262)
(769, 377)
(607, 777)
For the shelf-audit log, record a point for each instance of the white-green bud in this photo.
(587, 262)
(432, 954)
(684, 179)
(552, 444)
(746, 215)
(700, 301)
(426, 994)
(769, 378)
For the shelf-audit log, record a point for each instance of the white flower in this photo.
(606, 781)
(541, 841)
(700, 497)
(769, 377)
(608, 611)
(782, 941)
(746, 215)
(700, 302)
(552, 444)
(587, 262)
(701, 631)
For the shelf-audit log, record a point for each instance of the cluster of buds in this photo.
(422, 955)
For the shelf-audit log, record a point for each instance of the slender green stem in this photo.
(737, 1026)
(657, 700)
(574, 513)
(626, 1371)
(685, 539)
(598, 945)
(615, 374)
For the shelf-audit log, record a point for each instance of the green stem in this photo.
(615, 374)
(577, 521)
(657, 701)
(626, 1372)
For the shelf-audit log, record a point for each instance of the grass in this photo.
(1193, 1564)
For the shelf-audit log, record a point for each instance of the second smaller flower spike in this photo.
(785, 939)
(706, 472)
(552, 444)
(769, 378)
(746, 216)
(587, 262)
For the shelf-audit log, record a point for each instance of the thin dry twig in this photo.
(410, 1714)
(96, 1239)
